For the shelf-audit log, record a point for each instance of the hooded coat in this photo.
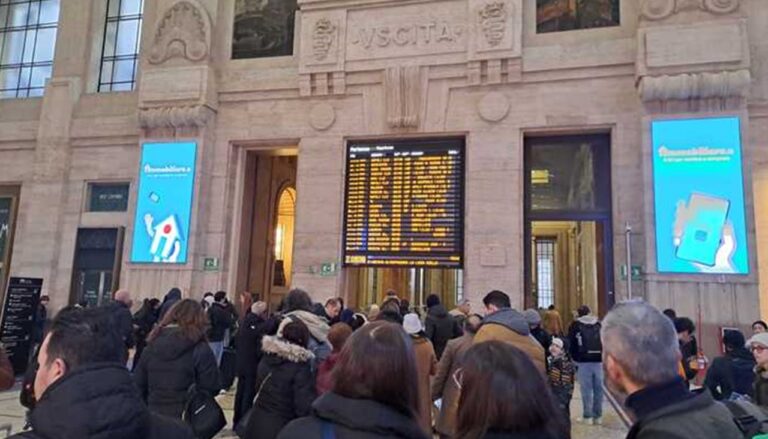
(286, 388)
(426, 367)
(98, 401)
(445, 387)
(169, 300)
(733, 372)
(350, 418)
(574, 332)
(318, 329)
(169, 366)
(441, 327)
(510, 326)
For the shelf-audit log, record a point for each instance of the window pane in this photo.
(9, 78)
(114, 8)
(19, 15)
(26, 73)
(109, 39)
(40, 75)
(13, 47)
(49, 12)
(3, 15)
(29, 46)
(263, 28)
(122, 86)
(46, 40)
(126, 37)
(35, 92)
(124, 71)
(130, 7)
(106, 71)
(34, 13)
(564, 15)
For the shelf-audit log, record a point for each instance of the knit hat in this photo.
(556, 341)
(412, 324)
(532, 316)
(761, 338)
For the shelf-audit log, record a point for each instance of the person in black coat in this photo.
(84, 389)
(734, 372)
(170, 299)
(143, 322)
(248, 344)
(285, 382)
(374, 395)
(440, 326)
(176, 357)
(221, 318)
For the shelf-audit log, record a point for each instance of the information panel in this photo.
(699, 196)
(19, 313)
(404, 204)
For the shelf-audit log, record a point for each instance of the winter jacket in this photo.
(543, 337)
(444, 386)
(169, 366)
(533, 434)
(574, 334)
(510, 326)
(221, 319)
(562, 375)
(426, 367)
(441, 327)
(733, 372)
(671, 411)
(122, 319)
(169, 300)
(459, 316)
(248, 344)
(353, 419)
(98, 401)
(761, 387)
(318, 329)
(286, 388)
(324, 374)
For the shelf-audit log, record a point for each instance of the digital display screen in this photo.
(699, 196)
(164, 203)
(404, 204)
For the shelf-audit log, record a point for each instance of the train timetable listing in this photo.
(404, 204)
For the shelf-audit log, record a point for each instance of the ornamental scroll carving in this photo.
(403, 91)
(175, 117)
(183, 32)
(722, 85)
(493, 22)
(323, 36)
(660, 9)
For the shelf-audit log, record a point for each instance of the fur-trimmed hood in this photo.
(285, 350)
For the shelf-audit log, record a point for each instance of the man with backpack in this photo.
(587, 351)
(731, 376)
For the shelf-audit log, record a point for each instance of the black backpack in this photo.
(751, 419)
(588, 345)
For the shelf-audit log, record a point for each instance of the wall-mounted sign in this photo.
(19, 313)
(404, 204)
(164, 203)
(699, 196)
(108, 197)
(211, 264)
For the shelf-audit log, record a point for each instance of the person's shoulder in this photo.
(301, 428)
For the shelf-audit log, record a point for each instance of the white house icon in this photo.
(167, 230)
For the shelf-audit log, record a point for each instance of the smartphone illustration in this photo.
(703, 231)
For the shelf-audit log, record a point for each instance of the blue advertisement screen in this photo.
(699, 196)
(164, 203)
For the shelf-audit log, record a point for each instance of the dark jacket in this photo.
(286, 388)
(122, 319)
(733, 372)
(353, 419)
(98, 401)
(221, 318)
(761, 387)
(509, 326)
(248, 344)
(574, 334)
(41, 319)
(441, 327)
(169, 366)
(671, 411)
(169, 300)
(562, 377)
(543, 337)
(689, 352)
(534, 434)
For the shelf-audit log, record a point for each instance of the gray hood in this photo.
(588, 320)
(509, 318)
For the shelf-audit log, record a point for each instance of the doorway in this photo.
(568, 257)
(369, 285)
(97, 266)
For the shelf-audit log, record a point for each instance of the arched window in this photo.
(286, 215)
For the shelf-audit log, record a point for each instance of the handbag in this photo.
(203, 414)
(242, 424)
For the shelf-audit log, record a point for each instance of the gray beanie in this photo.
(532, 316)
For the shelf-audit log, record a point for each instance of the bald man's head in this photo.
(124, 297)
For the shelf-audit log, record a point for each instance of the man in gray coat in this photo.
(641, 356)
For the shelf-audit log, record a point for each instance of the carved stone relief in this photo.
(403, 88)
(323, 38)
(183, 32)
(723, 85)
(493, 107)
(175, 117)
(660, 9)
(493, 22)
(322, 116)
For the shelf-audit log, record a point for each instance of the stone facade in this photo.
(387, 69)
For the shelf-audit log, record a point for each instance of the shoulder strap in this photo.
(328, 432)
(261, 387)
(746, 421)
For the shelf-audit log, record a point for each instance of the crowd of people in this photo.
(321, 371)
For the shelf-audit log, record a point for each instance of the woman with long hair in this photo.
(502, 396)
(373, 392)
(177, 355)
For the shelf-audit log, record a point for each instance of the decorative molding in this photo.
(493, 22)
(175, 117)
(403, 87)
(493, 107)
(722, 85)
(183, 32)
(322, 116)
(655, 10)
(323, 37)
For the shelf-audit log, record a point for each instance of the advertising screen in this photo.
(164, 203)
(699, 196)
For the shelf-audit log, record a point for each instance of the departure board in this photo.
(404, 204)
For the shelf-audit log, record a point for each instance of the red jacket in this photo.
(324, 382)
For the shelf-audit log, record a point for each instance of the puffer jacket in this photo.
(441, 327)
(169, 366)
(285, 388)
(98, 401)
(348, 418)
(510, 326)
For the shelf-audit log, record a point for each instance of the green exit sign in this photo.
(211, 264)
(637, 272)
(328, 269)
